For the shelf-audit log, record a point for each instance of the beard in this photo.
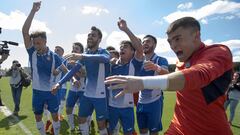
(91, 44)
(148, 50)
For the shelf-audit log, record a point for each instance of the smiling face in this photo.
(184, 41)
(148, 45)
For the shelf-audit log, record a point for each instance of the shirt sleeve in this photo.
(137, 65)
(163, 63)
(212, 63)
(103, 57)
(70, 74)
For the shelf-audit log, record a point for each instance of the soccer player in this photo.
(76, 91)
(202, 77)
(96, 60)
(43, 66)
(122, 108)
(150, 104)
(62, 91)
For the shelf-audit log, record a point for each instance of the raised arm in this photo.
(27, 24)
(136, 42)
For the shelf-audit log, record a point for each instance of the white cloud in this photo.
(234, 46)
(15, 20)
(171, 60)
(63, 8)
(208, 41)
(82, 38)
(234, 43)
(86, 10)
(217, 7)
(230, 17)
(162, 45)
(187, 5)
(115, 38)
(204, 21)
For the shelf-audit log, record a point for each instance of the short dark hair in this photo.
(59, 47)
(151, 36)
(41, 34)
(185, 22)
(127, 42)
(94, 28)
(15, 61)
(80, 46)
(115, 52)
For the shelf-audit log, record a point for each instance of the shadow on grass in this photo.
(65, 129)
(11, 120)
(235, 126)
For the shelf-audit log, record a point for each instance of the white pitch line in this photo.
(7, 113)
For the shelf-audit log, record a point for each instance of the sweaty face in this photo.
(183, 42)
(148, 45)
(39, 43)
(93, 39)
(126, 52)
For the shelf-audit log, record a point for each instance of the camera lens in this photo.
(18, 65)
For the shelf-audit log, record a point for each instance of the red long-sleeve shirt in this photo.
(199, 106)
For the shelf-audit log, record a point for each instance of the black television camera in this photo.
(4, 45)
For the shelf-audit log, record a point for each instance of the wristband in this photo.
(155, 82)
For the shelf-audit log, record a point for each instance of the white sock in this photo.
(84, 129)
(56, 127)
(116, 129)
(75, 108)
(103, 132)
(40, 127)
(71, 121)
(89, 118)
(61, 106)
(47, 114)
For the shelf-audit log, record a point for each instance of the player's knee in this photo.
(38, 118)
(101, 124)
(82, 120)
(144, 131)
(55, 116)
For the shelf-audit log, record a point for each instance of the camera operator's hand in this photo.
(3, 58)
(36, 6)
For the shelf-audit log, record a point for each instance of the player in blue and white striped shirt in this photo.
(96, 60)
(43, 66)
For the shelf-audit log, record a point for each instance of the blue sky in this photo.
(68, 21)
